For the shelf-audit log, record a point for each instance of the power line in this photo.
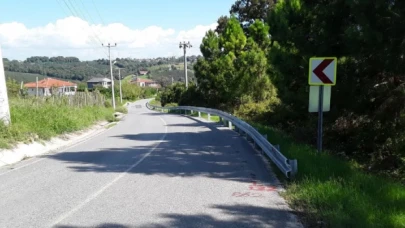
(95, 7)
(91, 19)
(84, 17)
(74, 13)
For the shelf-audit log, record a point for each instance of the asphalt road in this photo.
(150, 170)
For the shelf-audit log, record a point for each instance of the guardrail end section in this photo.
(294, 168)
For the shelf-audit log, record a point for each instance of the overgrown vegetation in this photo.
(330, 192)
(34, 119)
(130, 91)
(44, 117)
(255, 65)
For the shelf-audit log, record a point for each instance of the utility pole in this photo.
(119, 76)
(185, 45)
(111, 72)
(36, 79)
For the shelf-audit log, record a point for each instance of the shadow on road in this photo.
(238, 215)
(189, 149)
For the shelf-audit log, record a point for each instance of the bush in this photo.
(172, 94)
(121, 109)
(107, 104)
(148, 92)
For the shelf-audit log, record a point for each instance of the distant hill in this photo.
(25, 77)
(164, 74)
(71, 68)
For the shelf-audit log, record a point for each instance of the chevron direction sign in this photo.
(322, 71)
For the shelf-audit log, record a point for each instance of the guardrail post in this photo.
(230, 125)
(265, 136)
(277, 147)
(192, 112)
(294, 168)
(209, 117)
(248, 138)
(199, 114)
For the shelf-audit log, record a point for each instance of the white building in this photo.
(51, 86)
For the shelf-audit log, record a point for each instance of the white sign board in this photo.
(314, 98)
(4, 106)
(322, 71)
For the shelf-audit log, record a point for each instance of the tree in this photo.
(247, 11)
(232, 40)
(222, 21)
(370, 69)
(233, 70)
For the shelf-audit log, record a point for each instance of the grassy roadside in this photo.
(330, 192)
(195, 114)
(155, 102)
(45, 120)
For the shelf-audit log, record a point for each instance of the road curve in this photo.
(150, 170)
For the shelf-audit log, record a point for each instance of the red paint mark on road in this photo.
(247, 194)
(260, 187)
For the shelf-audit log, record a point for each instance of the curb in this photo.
(23, 151)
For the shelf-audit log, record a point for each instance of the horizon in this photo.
(81, 60)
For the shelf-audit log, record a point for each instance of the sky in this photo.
(141, 28)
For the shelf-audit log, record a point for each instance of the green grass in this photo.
(127, 78)
(45, 120)
(205, 116)
(195, 114)
(121, 109)
(155, 102)
(336, 192)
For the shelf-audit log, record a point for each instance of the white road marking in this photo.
(100, 191)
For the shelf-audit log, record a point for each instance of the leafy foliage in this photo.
(255, 64)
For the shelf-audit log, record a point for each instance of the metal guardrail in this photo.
(287, 166)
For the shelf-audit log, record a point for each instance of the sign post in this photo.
(322, 75)
(4, 105)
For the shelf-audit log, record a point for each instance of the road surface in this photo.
(150, 170)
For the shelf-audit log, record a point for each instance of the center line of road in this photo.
(105, 187)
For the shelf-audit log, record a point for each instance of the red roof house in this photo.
(51, 86)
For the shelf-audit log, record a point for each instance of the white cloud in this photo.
(73, 36)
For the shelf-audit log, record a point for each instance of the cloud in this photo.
(72, 36)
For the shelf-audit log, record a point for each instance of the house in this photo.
(51, 86)
(143, 72)
(143, 82)
(104, 82)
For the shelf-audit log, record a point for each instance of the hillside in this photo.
(71, 68)
(164, 74)
(24, 77)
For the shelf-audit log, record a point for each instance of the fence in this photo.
(288, 167)
(79, 99)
